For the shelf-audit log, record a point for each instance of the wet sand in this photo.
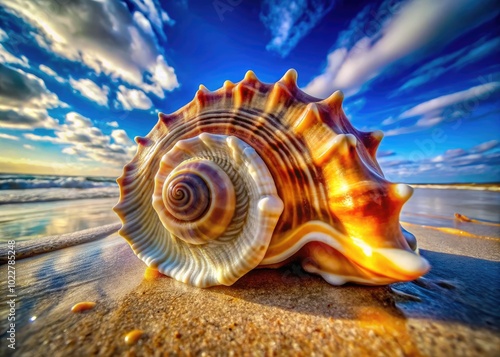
(437, 207)
(33, 220)
(451, 312)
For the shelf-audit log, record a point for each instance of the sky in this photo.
(79, 79)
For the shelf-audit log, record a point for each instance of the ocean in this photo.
(20, 188)
(33, 206)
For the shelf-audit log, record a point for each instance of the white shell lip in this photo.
(398, 264)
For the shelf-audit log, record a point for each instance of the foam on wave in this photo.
(26, 182)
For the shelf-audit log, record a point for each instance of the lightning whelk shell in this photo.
(257, 174)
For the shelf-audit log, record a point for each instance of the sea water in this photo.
(33, 206)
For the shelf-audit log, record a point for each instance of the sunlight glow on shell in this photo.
(261, 175)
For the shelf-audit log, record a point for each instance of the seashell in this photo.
(260, 175)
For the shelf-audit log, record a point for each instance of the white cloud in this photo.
(452, 61)
(447, 166)
(473, 156)
(8, 137)
(46, 138)
(416, 27)
(290, 21)
(121, 137)
(166, 19)
(91, 90)
(7, 57)
(151, 9)
(76, 120)
(143, 23)
(163, 77)
(22, 89)
(449, 154)
(486, 146)
(113, 124)
(49, 71)
(133, 99)
(352, 106)
(24, 100)
(433, 112)
(88, 142)
(479, 51)
(104, 36)
(3, 35)
(402, 130)
(437, 104)
(28, 147)
(385, 153)
(75, 132)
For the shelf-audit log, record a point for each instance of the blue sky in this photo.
(80, 79)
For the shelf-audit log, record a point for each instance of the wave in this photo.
(473, 187)
(56, 194)
(26, 182)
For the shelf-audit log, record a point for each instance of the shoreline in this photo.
(27, 249)
(470, 186)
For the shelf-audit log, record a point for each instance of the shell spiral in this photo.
(258, 174)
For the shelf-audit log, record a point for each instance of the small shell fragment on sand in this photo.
(463, 218)
(133, 336)
(83, 306)
(151, 273)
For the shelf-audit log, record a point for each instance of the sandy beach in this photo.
(275, 147)
(452, 311)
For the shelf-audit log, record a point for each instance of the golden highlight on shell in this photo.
(261, 175)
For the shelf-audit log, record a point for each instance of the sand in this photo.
(451, 312)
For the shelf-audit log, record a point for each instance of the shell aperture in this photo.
(257, 174)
